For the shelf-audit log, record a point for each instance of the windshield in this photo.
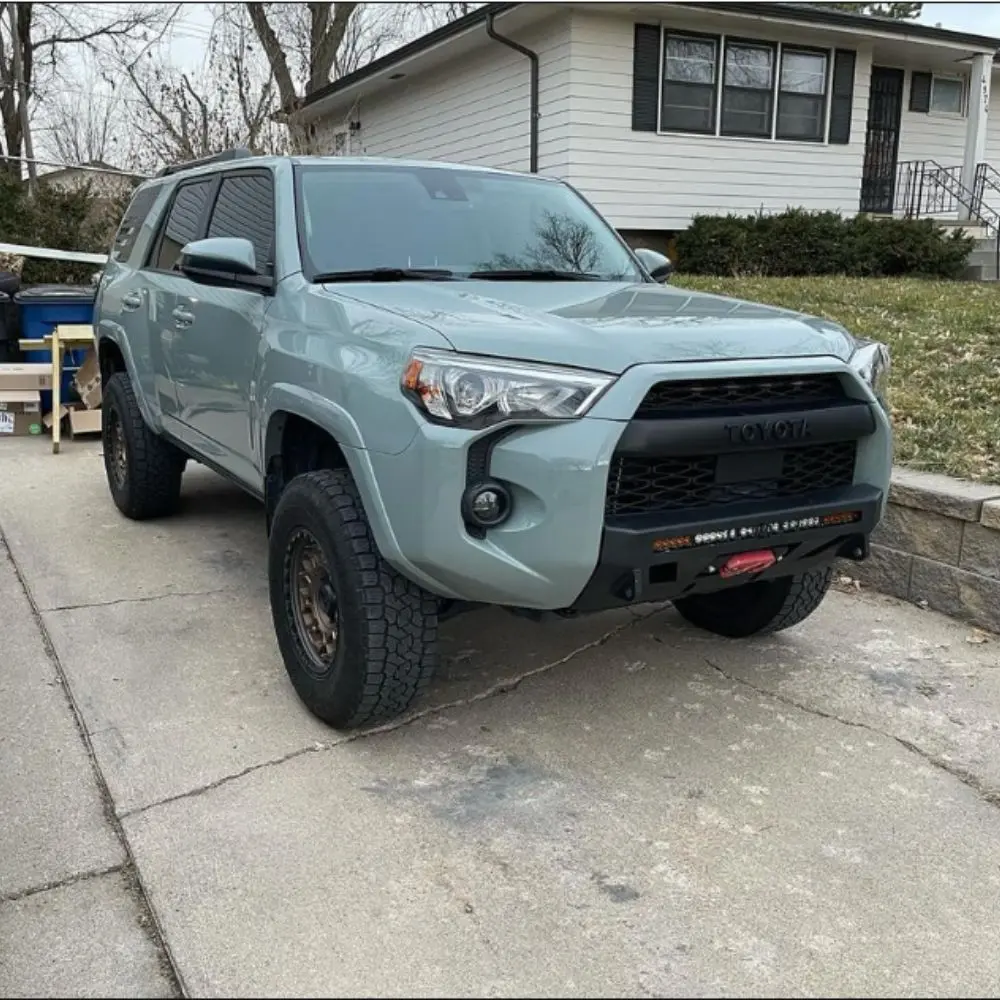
(358, 217)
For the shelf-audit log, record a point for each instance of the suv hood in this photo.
(599, 325)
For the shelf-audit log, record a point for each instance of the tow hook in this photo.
(748, 562)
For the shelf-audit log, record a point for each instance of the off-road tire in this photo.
(386, 641)
(758, 608)
(147, 483)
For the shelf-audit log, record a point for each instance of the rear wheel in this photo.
(144, 470)
(758, 608)
(359, 641)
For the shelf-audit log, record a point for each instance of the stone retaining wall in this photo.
(939, 545)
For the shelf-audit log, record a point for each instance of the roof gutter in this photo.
(533, 57)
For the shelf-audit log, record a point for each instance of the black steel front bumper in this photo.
(657, 558)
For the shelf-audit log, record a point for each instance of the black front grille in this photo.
(661, 485)
(737, 395)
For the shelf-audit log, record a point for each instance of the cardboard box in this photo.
(84, 422)
(47, 420)
(20, 412)
(87, 381)
(26, 376)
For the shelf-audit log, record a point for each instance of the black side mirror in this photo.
(658, 266)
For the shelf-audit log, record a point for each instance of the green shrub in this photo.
(60, 220)
(798, 243)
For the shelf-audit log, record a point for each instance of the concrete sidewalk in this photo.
(618, 806)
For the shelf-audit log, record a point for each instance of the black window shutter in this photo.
(842, 99)
(645, 77)
(920, 91)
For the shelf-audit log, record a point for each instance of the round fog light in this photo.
(486, 504)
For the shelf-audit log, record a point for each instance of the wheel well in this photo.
(110, 359)
(296, 446)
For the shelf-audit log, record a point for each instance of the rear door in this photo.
(217, 339)
(186, 219)
(121, 307)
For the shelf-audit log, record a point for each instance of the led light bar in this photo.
(751, 531)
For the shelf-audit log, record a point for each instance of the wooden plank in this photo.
(44, 253)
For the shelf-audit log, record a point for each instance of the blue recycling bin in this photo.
(42, 308)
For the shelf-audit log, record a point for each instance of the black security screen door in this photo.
(885, 104)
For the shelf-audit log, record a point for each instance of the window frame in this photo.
(721, 42)
(772, 91)
(963, 83)
(260, 282)
(826, 96)
(716, 40)
(153, 253)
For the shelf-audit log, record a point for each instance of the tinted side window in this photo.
(245, 208)
(135, 216)
(183, 223)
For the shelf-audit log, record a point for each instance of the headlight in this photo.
(467, 391)
(871, 361)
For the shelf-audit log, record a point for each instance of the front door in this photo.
(885, 106)
(217, 344)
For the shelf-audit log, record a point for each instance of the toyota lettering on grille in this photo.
(768, 431)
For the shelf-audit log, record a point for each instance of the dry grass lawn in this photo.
(945, 343)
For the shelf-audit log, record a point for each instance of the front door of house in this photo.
(885, 106)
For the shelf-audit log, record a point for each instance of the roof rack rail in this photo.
(240, 153)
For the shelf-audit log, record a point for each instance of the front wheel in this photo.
(359, 641)
(758, 608)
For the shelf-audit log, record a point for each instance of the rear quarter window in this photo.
(132, 221)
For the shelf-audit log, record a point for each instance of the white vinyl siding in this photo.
(928, 135)
(644, 180)
(941, 137)
(475, 109)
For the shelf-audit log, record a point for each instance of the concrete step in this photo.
(975, 230)
(981, 272)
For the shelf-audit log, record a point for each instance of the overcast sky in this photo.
(978, 18)
(188, 46)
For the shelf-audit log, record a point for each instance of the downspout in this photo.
(533, 56)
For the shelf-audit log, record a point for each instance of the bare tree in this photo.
(75, 131)
(438, 14)
(231, 102)
(561, 243)
(33, 41)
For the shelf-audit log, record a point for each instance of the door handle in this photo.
(131, 301)
(182, 317)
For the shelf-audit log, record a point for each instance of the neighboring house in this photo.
(105, 181)
(660, 111)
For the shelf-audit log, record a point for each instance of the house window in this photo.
(802, 95)
(748, 89)
(690, 76)
(744, 87)
(947, 95)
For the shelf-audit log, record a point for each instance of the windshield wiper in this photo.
(537, 274)
(387, 274)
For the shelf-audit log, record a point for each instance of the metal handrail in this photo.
(987, 176)
(924, 187)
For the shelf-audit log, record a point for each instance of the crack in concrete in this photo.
(132, 600)
(989, 795)
(503, 686)
(60, 883)
(148, 917)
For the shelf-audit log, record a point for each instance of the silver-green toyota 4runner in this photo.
(452, 387)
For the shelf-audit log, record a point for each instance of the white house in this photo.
(660, 111)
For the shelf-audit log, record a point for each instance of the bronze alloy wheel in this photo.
(119, 450)
(313, 600)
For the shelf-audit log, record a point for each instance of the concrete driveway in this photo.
(619, 806)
